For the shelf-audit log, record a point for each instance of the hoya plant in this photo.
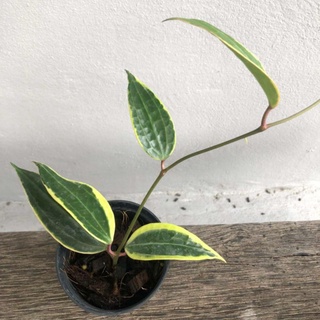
(81, 219)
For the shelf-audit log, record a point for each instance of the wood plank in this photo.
(272, 272)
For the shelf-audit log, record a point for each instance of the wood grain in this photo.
(272, 272)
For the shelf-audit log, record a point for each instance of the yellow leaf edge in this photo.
(178, 229)
(100, 198)
(164, 108)
(272, 104)
(47, 229)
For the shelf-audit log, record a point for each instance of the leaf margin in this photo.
(36, 210)
(164, 109)
(100, 198)
(172, 227)
(273, 101)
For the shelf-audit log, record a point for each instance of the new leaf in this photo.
(165, 241)
(248, 58)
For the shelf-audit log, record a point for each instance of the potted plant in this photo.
(114, 255)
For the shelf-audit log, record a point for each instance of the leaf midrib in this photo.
(150, 120)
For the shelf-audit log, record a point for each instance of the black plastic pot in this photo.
(63, 256)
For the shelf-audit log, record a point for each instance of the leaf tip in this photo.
(171, 19)
(129, 74)
(14, 166)
(39, 165)
(168, 19)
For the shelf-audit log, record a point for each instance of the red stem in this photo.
(264, 125)
(163, 169)
(112, 253)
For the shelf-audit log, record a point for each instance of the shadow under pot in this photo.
(90, 281)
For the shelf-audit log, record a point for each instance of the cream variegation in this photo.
(165, 241)
(82, 201)
(247, 57)
(57, 221)
(152, 124)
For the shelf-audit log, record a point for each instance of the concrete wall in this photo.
(63, 100)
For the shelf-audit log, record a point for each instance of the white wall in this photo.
(63, 94)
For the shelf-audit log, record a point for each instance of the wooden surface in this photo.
(273, 272)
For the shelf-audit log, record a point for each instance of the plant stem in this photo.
(135, 218)
(163, 171)
(194, 154)
(294, 115)
(264, 126)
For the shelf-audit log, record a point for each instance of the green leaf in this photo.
(248, 58)
(151, 121)
(165, 241)
(60, 225)
(83, 202)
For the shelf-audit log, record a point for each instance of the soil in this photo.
(108, 287)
